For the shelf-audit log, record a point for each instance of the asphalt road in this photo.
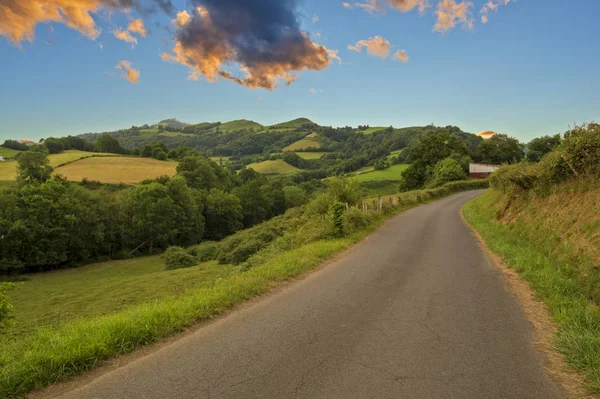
(415, 311)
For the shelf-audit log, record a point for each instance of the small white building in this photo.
(482, 170)
(2, 158)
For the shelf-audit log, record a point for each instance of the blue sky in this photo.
(531, 70)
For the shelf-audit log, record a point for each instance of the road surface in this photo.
(414, 311)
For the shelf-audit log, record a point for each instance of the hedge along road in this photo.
(414, 311)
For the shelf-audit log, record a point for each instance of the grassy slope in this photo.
(302, 145)
(117, 169)
(273, 167)
(392, 173)
(9, 152)
(553, 244)
(52, 355)
(48, 299)
(8, 170)
(311, 155)
(240, 124)
(372, 130)
(294, 124)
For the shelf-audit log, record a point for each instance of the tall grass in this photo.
(556, 273)
(51, 355)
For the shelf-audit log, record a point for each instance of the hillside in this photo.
(173, 123)
(294, 124)
(302, 145)
(8, 152)
(117, 169)
(277, 167)
(240, 125)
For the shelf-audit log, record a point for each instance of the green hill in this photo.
(295, 124)
(302, 145)
(240, 125)
(9, 152)
(278, 167)
(173, 123)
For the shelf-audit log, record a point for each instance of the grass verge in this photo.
(51, 355)
(553, 272)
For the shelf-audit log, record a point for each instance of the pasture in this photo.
(302, 145)
(9, 152)
(274, 167)
(310, 155)
(117, 169)
(52, 298)
(393, 173)
(372, 130)
(240, 125)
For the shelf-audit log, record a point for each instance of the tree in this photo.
(33, 166)
(223, 214)
(445, 171)
(541, 146)
(159, 154)
(188, 219)
(198, 172)
(53, 145)
(15, 145)
(500, 149)
(256, 206)
(426, 154)
(294, 196)
(108, 144)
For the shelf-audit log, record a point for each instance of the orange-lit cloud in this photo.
(129, 73)
(124, 35)
(137, 26)
(376, 46)
(263, 40)
(491, 5)
(378, 6)
(449, 13)
(183, 18)
(18, 18)
(401, 55)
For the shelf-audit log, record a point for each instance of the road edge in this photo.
(537, 314)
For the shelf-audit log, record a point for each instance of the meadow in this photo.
(8, 152)
(372, 130)
(117, 169)
(273, 167)
(302, 145)
(310, 155)
(8, 169)
(53, 298)
(392, 173)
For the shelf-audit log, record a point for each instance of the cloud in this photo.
(137, 26)
(183, 18)
(491, 5)
(376, 46)
(449, 13)
(315, 19)
(124, 35)
(18, 18)
(379, 6)
(315, 91)
(262, 39)
(129, 73)
(401, 55)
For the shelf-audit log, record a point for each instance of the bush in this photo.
(178, 258)
(5, 307)
(354, 220)
(336, 212)
(445, 171)
(205, 252)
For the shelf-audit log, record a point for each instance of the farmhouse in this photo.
(28, 142)
(481, 170)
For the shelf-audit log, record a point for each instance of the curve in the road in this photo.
(414, 311)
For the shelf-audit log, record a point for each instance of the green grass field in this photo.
(302, 145)
(372, 130)
(273, 167)
(154, 130)
(9, 152)
(295, 124)
(218, 159)
(392, 173)
(117, 169)
(52, 298)
(310, 155)
(240, 124)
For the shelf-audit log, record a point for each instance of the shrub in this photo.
(354, 220)
(205, 252)
(178, 258)
(336, 212)
(5, 307)
(445, 171)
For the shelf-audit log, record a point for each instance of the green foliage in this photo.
(15, 145)
(224, 214)
(108, 144)
(178, 258)
(198, 172)
(541, 146)
(205, 251)
(500, 149)
(445, 171)
(6, 308)
(336, 213)
(355, 220)
(426, 154)
(53, 145)
(294, 196)
(33, 166)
